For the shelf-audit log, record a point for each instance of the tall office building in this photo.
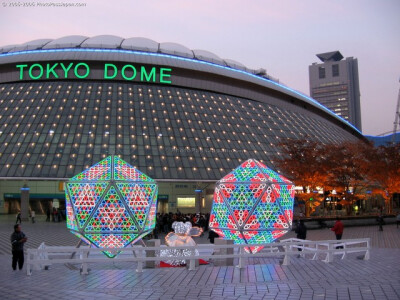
(334, 83)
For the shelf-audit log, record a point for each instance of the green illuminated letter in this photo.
(51, 70)
(66, 70)
(133, 71)
(164, 73)
(106, 76)
(84, 75)
(21, 72)
(144, 74)
(40, 71)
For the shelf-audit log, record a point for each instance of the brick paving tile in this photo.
(352, 278)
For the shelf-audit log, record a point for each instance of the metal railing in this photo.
(45, 256)
(328, 248)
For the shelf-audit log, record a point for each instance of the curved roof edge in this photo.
(117, 44)
(133, 43)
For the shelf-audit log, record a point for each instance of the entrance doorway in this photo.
(39, 203)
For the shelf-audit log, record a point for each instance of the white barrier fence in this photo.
(327, 249)
(45, 256)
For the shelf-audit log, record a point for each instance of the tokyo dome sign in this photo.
(82, 70)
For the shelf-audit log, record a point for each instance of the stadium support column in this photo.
(199, 194)
(25, 203)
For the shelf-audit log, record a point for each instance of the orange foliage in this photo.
(385, 171)
(349, 168)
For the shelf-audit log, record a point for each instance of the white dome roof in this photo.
(140, 44)
(71, 41)
(116, 42)
(103, 41)
(176, 49)
(208, 56)
(32, 45)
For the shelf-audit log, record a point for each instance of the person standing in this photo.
(380, 222)
(301, 231)
(55, 214)
(18, 239)
(48, 215)
(33, 216)
(165, 222)
(338, 229)
(18, 218)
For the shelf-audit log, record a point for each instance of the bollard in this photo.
(152, 253)
(193, 263)
(242, 260)
(139, 268)
(28, 265)
(286, 259)
(224, 251)
(330, 253)
(366, 256)
(84, 268)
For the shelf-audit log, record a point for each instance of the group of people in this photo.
(301, 231)
(18, 238)
(164, 224)
(55, 215)
(32, 215)
(164, 221)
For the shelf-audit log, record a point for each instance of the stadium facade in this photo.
(184, 117)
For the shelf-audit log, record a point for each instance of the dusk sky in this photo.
(280, 36)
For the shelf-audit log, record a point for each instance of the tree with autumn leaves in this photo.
(385, 172)
(304, 164)
(349, 168)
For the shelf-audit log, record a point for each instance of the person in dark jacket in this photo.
(212, 235)
(301, 231)
(18, 239)
(380, 222)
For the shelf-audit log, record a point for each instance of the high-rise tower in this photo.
(334, 83)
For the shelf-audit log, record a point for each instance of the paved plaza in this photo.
(352, 278)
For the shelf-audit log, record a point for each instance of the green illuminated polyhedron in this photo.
(111, 204)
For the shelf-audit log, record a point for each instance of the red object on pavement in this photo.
(203, 262)
(167, 265)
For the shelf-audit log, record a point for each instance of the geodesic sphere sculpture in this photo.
(252, 205)
(111, 204)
